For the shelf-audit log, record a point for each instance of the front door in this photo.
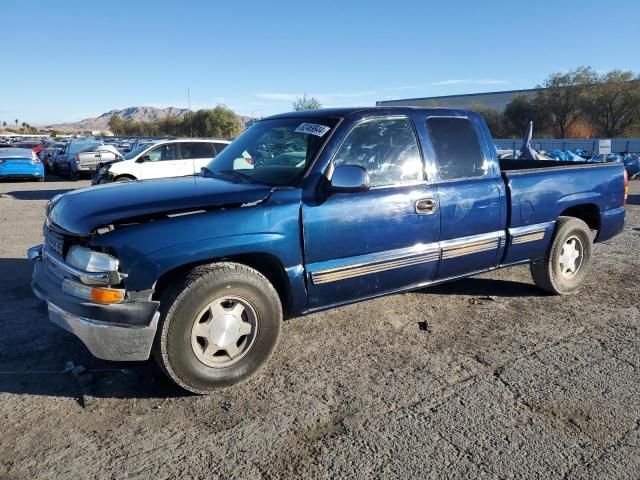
(359, 245)
(164, 161)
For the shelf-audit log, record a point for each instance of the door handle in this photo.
(426, 206)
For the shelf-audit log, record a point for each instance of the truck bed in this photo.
(541, 190)
(511, 165)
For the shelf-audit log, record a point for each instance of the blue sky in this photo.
(64, 61)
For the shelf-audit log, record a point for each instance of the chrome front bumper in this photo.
(107, 341)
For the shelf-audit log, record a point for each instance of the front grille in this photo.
(54, 242)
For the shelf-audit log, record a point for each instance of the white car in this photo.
(166, 158)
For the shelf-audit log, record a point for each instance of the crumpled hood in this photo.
(81, 211)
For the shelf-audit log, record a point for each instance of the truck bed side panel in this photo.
(539, 196)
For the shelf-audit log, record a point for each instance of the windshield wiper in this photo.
(206, 172)
(235, 173)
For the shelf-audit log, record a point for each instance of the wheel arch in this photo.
(267, 264)
(589, 213)
(124, 175)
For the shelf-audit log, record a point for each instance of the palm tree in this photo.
(16, 123)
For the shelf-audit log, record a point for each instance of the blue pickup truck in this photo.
(307, 211)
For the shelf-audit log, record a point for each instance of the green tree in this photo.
(116, 125)
(562, 97)
(306, 103)
(612, 106)
(522, 109)
(219, 122)
(494, 119)
(16, 123)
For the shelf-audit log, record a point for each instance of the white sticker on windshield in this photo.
(312, 129)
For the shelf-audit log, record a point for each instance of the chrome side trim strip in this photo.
(341, 273)
(529, 233)
(446, 244)
(476, 247)
(459, 247)
(445, 250)
(536, 227)
(532, 237)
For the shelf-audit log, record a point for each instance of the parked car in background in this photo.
(49, 152)
(139, 143)
(632, 165)
(307, 211)
(62, 162)
(20, 163)
(166, 158)
(84, 162)
(35, 146)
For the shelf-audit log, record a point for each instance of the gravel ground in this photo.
(484, 377)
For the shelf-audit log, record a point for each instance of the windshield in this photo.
(273, 152)
(134, 153)
(81, 147)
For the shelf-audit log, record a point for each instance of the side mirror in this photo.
(142, 159)
(349, 178)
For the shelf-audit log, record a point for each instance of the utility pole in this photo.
(190, 115)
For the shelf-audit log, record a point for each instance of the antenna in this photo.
(190, 115)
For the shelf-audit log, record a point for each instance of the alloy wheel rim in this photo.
(571, 256)
(224, 331)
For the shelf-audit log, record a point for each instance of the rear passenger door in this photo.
(199, 153)
(470, 199)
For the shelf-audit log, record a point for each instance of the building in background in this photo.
(494, 100)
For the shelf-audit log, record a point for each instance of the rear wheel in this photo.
(567, 262)
(218, 326)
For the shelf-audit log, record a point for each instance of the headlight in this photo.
(90, 261)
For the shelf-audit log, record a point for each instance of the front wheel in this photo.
(218, 325)
(568, 260)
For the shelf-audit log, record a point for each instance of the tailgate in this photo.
(88, 158)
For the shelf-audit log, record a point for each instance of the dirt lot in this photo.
(484, 377)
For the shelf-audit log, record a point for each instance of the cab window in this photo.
(163, 152)
(387, 148)
(457, 148)
(196, 150)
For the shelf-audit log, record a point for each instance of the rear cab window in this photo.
(457, 148)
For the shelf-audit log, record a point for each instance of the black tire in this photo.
(180, 307)
(547, 273)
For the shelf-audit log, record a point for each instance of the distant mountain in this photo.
(140, 114)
